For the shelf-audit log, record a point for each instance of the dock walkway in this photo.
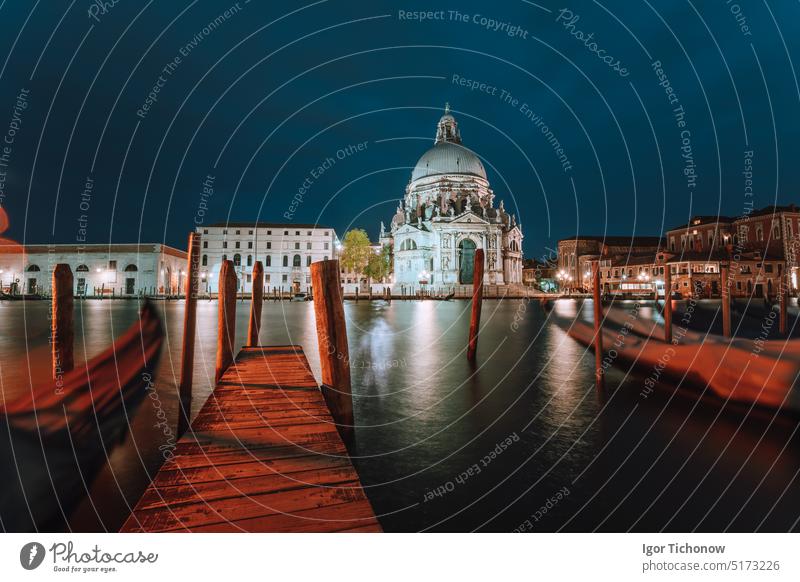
(263, 455)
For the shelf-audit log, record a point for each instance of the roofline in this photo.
(93, 248)
(264, 225)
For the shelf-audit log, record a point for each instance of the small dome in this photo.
(448, 158)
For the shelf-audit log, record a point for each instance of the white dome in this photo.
(448, 158)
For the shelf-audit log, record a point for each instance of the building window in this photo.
(297, 246)
(267, 277)
(205, 231)
(224, 244)
(112, 265)
(308, 261)
(297, 233)
(326, 246)
(269, 245)
(249, 260)
(268, 260)
(308, 246)
(205, 244)
(285, 260)
(82, 269)
(238, 232)
(284, 278)
(225, 231)
(33, 269)
(205, 260)
(326, 233)
(309, 233)
(759, 234)
(238, 244)
(249, 278)
(250, 244)
(269, 232)
(285, 233)
(249, 232)
(296, 261)
(776, 231)
(131, 268)
(326, 258)
(237, 260)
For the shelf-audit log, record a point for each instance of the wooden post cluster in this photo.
(334, 354)
(726, 300)
(598, 327)
(477, 301)
(226, 329)
(63, 332)
(189, 332)
(667, 304)
(256, 303)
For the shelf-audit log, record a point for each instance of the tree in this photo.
(379, 264)
(356, 251)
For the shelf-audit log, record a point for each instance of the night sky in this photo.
(267, 92)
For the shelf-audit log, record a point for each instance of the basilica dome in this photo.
(447, 157)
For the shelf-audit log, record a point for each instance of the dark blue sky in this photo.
(277, 88)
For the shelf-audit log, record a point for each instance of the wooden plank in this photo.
(262, 455)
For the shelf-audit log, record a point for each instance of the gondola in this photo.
(55, 439)
(740, 370)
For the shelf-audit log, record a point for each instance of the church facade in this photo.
(447, 213)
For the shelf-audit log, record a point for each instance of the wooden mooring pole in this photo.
(256, 303)
(334, 354)
(477, 301)
(783, 289)
(189, 332)
(726, 300)
(598, 328)
(226, 324)
(667, 304)
(63, 332)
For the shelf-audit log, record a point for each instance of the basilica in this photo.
(446, 214)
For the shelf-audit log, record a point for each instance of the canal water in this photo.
(519, 441)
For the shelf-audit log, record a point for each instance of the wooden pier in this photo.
(263, 455)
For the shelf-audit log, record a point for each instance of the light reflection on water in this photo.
(425, 416)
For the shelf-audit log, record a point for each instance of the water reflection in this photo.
(426, 416)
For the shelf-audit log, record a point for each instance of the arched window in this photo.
(296, 261)
(82, 269)
(249, 260)
(408, 245)
(205, 260)
(285, 260)
(308, 261)
(237, 260)
(131, 269)
(33, 268)
(268, 259)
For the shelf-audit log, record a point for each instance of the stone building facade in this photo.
(285, 250)
(97, 270)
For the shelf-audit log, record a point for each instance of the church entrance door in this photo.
(466, 254)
